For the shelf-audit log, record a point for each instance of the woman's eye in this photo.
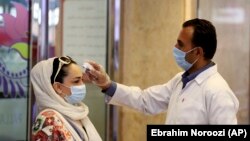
(77, 81)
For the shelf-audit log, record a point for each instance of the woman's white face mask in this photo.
(78, 93)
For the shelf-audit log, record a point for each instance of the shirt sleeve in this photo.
(48, 126)
(152, 100)
(111, 90)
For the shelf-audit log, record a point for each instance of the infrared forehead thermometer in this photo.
(87, 67)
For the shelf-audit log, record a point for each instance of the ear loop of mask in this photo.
(191, 51)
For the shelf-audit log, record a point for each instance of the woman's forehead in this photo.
(74, 70)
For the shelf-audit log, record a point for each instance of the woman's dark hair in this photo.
(204, 36)
(63, 71)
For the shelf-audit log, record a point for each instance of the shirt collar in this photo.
(186, 77)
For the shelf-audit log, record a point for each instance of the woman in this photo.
(59, 91)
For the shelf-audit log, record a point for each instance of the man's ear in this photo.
(57, 88)
(200, 51)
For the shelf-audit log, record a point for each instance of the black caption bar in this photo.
(222, 132)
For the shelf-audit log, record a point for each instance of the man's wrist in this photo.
(106, 85)
(110, 91)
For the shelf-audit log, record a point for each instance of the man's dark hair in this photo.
(204, 36)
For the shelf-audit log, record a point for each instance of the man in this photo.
(199, 95)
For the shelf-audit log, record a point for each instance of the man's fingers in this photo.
(86, 78)
(93, 75)
(95, 65)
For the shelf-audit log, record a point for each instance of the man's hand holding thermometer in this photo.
(96, 74)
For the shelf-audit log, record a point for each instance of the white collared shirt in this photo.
(207, 99)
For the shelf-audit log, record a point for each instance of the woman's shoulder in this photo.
(49, 117)
(49, 123)
(49, 113)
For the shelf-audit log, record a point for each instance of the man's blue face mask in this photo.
(180, 58)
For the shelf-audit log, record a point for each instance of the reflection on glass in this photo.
(229, 15)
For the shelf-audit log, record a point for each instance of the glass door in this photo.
(14, 69)
(231, 19)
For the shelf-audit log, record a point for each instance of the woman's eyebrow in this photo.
(78, 77)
